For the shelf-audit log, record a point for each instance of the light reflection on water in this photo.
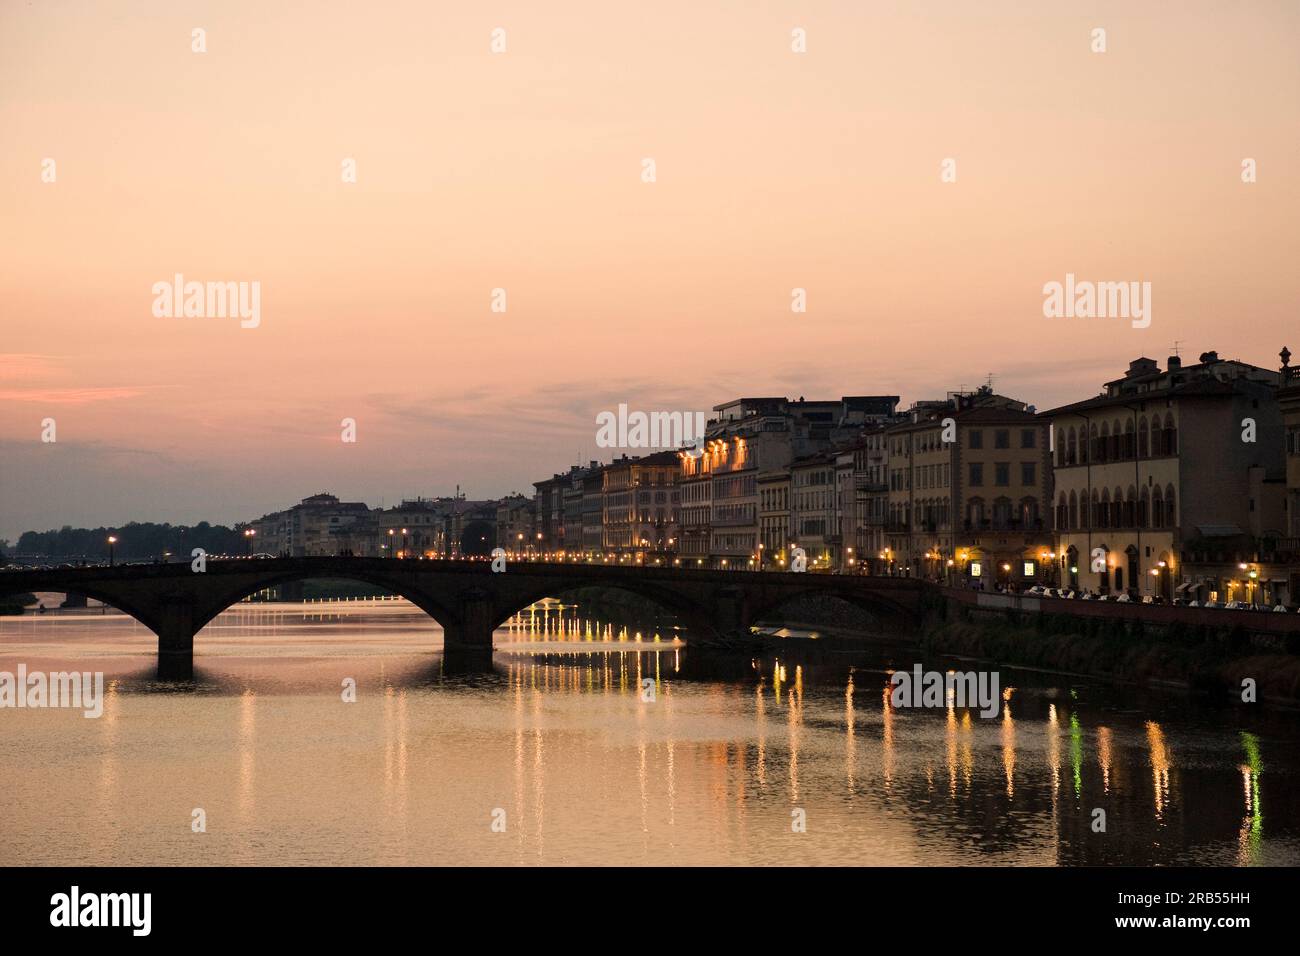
(558, 742)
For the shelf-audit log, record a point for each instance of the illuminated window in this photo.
(1029, 569)
(975, 569)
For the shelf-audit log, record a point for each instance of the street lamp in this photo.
(112, 540)
(391, 553)
(249, 533)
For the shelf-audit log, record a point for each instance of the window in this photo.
(1029, 569)
(1028, 438)
(976, 475)
(1002, 474)
(1002, 438)
(975, 569)
(976, 438)
(1028, 472)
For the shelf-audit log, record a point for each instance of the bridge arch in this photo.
(225, 600)
(887, 612)
(137, 612)
(694, 616)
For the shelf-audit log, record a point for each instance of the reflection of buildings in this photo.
(1155, 482)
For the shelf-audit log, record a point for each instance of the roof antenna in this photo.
(1177, 342)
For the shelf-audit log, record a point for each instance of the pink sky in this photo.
(522, 170)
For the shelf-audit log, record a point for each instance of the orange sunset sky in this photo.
(522, 170)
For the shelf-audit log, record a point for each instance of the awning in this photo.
(1184, 587)
(1218, 530)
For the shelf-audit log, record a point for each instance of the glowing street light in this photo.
(112, 540)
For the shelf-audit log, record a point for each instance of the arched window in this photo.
(1130, 508)
(1002, 512)
(1116, 439)
(1103, 446)
(1117, 509)
(1171, 512)
(1062, 513)
(1171, 435)
(1143, 445)
(1103, 514)
(975, 512)
(1144, 508)
(1130, 440)
(1157, 438)
(1071, 452)
(1092, 443)
(1073, 521)
(1157, 508)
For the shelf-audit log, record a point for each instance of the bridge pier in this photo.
(468, 641)
(731, 612)
(174, 625)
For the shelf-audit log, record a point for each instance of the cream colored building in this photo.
(1158, 467)
(968, 496)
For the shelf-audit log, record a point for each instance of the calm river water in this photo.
(555, 758)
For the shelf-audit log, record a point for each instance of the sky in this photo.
(524, 170)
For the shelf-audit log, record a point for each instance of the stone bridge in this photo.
(466, 598)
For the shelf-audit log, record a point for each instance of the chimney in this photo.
(1175, 363)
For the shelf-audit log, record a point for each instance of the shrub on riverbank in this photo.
(1202, 658)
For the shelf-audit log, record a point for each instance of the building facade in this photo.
(1159, 488)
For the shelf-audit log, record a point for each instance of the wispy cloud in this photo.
(25, 366)
(84, 395)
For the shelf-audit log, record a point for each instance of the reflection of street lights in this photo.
(112, 540)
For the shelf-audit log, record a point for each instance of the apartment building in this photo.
(1160, 484)
(640, 515)
(969, 480)
(749, 437)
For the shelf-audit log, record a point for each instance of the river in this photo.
(560, 755)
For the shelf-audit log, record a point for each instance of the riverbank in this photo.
(1207, 659)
